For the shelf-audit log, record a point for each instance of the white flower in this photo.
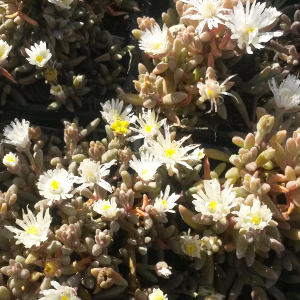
(155, 42)
(191, 245)
(287, 95)
(56, 184)
(146, 167)
(212, 90)
(17, 134)
(247, 26)
(63, 4)
(171, 152)
(164, 203)
(107, 208)
(61, 292)
(4, 51)
(93, 173)
(157, 294)
(118, 120)
(148, 126)
(209, 12)
(11, 160)
(214, 202)
(38, 54)
(35, 228)
(163, 270)
(255, 217)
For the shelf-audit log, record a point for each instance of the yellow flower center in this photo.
(213, 204)
(250, 29)
(64, 296)
(10, 158)
(1, 54)
(170, 153)
(32, 230)
(256, 220)
(39, 58)
(63, 1)
(149, 128)
(51, 267)
(56, 89)
(212, 94)
(157, 46)
(158, 297)
(190, 249)
(144, 171)
(120, 127)
(55, 185)
(106, 206)
(164, 202)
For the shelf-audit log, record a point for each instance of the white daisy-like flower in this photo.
(56, 185)
(214, 202)
(93, 173)
(210, 12)
(287, 95)
(10, 160)
(107, 208)
(171, 152)
(17, 134)
(155, 42)
(4, 51)
(35, 228)
(157, 294)
(165, 203)
(255, 217)
(146, 167)
(38, 54)
(147, 127)
(212, 90)
(191, 245)
(247, 25)
(63, 4)
(60, 292)
(117, 119)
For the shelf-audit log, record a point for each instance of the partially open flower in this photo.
(287, 95)
(4, 51)
(12, 162)
(107, 208)
(157, 294)
(38, 54)
(35, 228)
(61, 292)
(155, 42)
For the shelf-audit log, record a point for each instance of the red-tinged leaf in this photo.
(7, 75)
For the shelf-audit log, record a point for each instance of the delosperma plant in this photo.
(136, 209)
(56, 42)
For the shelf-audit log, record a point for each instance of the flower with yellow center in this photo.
(56, 185)
(51, 267)
(60, 292)
(249, 25)
(58, 92)
(118, 119)
(11, 160)
(62, 4)
(147, 126)
(255, 217)
(38, 54)
(209, 13)
(146, 167)
(157, 294)
(107, 208)
(215, 202)
(155, 42)
(191, 245)
(4, 51)
(34, 228)
(171, 152)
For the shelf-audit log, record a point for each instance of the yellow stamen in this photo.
(256, 220)
(64, 297)
(170, 153)
(51, 267)
(164, 202)
(212, 94)
(149, 128)
(10, 158)
(120, 127)
(191, 249)
(55, 185)
(63, 1)
(157, 46)
(144, 171)
(106, 206)
(250, 29)
(39, 58)
(32, 230)
(1, 54)
(213, 204)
